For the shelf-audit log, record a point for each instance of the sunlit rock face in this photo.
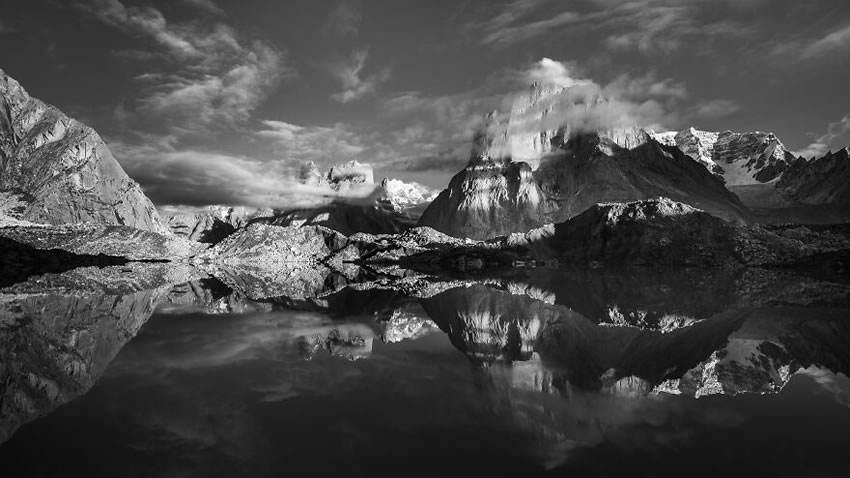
(521, 176)
(63, 169)
(738, 158)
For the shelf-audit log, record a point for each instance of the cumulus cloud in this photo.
(344, 19)
(349, 73)
(837, 136)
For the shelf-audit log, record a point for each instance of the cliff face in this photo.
(527, 170)
(63, 169)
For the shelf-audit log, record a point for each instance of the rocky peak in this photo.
(737, 158)
(63, 168)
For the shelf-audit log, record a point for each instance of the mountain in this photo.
(355, 202)
(517, 180)
(768, 179)
(208, 225)
(61, 170)
(738, 158)
(821, 181)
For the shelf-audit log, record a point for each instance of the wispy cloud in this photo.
(834, 44)
(645, 26)
(344, 19)
(208, 6)
(349, 73)
(837, 136)
(320, 144)
(212, 78)
(716, 109)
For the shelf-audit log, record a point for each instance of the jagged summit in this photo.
(518, 179)
(62, 170)
(738, 158)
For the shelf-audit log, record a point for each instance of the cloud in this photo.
(548, 71)
(206, 5)
(834, 44)
(837, 136)
(344, 20)
(195, 177)
(348, 71)
(5, 28)
(510, 35)
(212, 79)
(585, 105)
(645, 26)
(716, 109)
(322, 145)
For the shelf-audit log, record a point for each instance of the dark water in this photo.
(580, 375)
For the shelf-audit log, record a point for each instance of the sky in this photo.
(220, 101)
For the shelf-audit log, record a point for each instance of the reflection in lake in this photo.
(587, 371)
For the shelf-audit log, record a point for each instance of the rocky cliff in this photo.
(62, 169)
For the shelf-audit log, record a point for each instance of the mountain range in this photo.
(528, 174)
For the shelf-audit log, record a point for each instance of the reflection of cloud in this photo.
(838, 385)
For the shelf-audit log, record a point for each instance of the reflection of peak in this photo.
(348, 341)
(752, 351)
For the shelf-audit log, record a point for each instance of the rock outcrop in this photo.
(62, 169)
(665, 232)
(519, 178)
(94, 239)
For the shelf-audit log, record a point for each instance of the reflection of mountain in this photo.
(55, 347)
(59, 332)
(741, 350)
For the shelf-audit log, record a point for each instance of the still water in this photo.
(606, 374)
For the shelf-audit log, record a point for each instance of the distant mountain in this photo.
(356, 203)
(738, 158)
(517, 180)
(61, 170)
(820, 181)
